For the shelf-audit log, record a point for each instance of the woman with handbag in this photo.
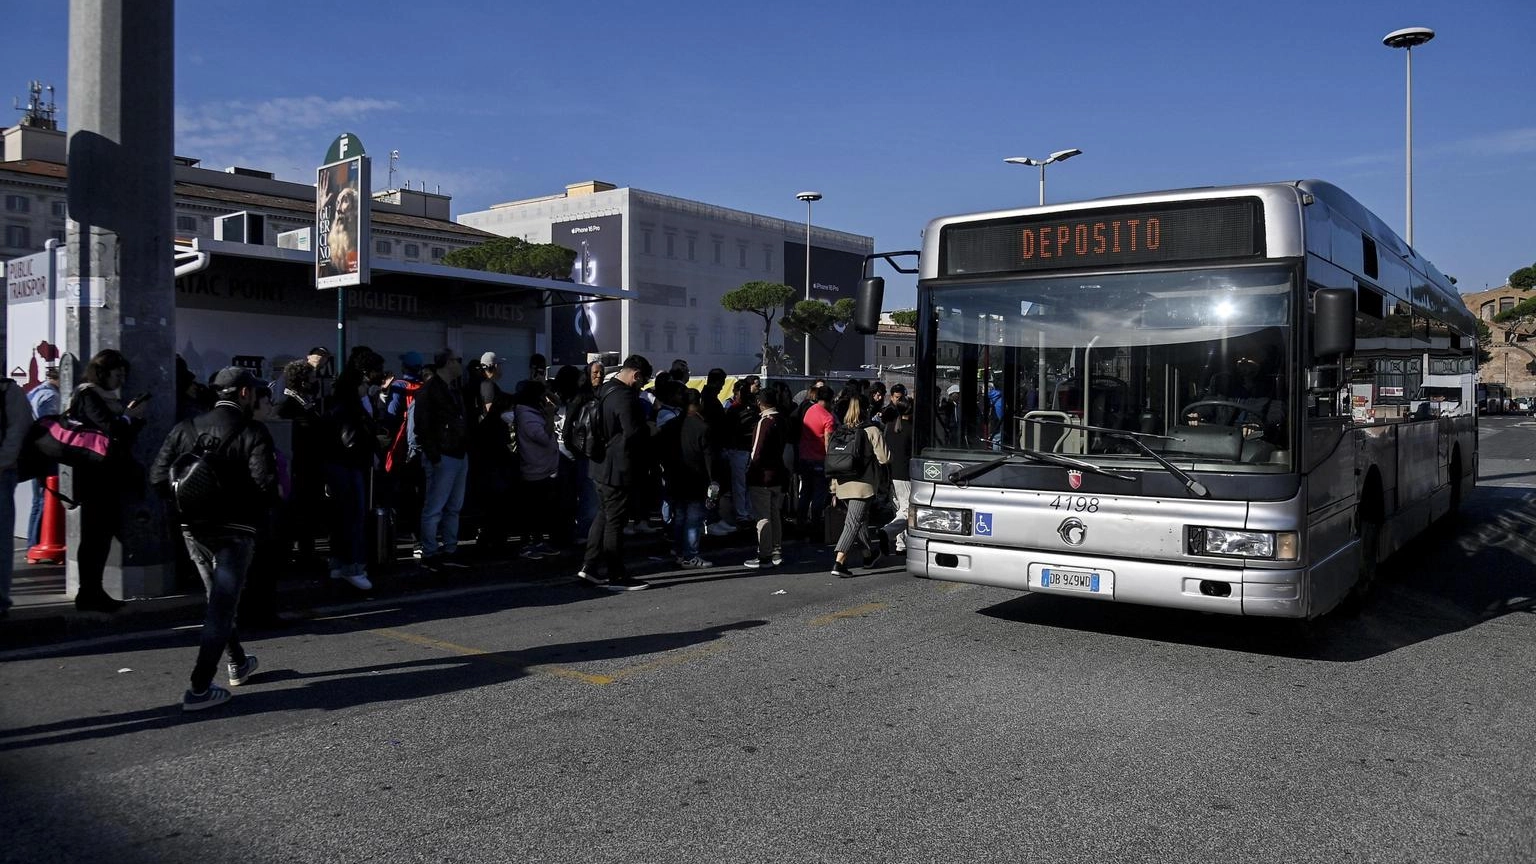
(858, 492)
(98, 403)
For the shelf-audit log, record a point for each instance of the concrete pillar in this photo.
(120, 236)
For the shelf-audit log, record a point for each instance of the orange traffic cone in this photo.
(50, 540)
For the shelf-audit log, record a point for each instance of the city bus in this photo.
(1492, 398)
(1200, 399)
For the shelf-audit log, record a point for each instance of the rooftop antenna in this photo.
(38, 114)
(394, 159)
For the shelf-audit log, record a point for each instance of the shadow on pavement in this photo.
(1445, 581)
(370, 684)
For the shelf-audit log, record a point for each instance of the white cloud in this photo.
(277, 135)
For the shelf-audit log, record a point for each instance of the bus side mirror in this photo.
(866, 305)
(1333, 322)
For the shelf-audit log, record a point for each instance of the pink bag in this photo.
(67, 441)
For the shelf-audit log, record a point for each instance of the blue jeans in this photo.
(349, 509)
(35, 521)
(8, 542)
(444, 500)
(739, 497)
(222, 557)
(687, 525)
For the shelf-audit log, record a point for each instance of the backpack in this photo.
(398, 446)
(586, 431)
(195, 484)
(848, 453)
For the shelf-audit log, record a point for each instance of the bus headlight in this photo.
(942, 521)
(1279, 546)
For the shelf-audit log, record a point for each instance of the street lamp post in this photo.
(1409, 38)
(808, 198)
(1058, 156)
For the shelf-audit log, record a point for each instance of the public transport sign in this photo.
(1113, 237)
(1208, 399)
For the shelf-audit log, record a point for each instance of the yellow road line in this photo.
(855, 612)
(672, 659)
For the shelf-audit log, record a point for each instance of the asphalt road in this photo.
(791, 716)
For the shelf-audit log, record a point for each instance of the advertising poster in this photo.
(834, 276)
(341, 224)
(589, 328)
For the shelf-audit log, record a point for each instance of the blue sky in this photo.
(897, 112)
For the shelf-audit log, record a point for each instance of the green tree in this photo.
(905, 317)
(1484, 343)
(763, 299)
(516, 257)
(819, 321)
(1520, 318)
(1524, 278)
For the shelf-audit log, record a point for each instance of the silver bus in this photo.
(1205, 399)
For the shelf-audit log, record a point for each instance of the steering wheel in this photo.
(1232, 420)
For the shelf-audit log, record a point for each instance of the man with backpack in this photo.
(219, 470)
(614, 436)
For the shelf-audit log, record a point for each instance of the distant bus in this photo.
(1493, 398)
(1217, 399)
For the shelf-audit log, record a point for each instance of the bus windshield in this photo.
(1198, 361)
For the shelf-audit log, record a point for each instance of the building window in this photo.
(693, 243)
(18, 237)
(741, 333)
(1487, 311)
(18, 204)
(438, 253)
(60, 209)
(412, 250)
(741, 255)
(186, 223)
(671, 245)
(719, 251)
(57, 234)
(671, 330)
(717, 337)
(645, 241)
(381, 247)
(693, 338)
(767, 259)
(883, 349)
(1506, 304)
(645, 335)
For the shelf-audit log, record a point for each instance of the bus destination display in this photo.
(1202, 230)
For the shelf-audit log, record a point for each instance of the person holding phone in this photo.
(98, 403)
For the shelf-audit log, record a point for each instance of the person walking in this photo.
(857, 491)
(44, 400)
(767, 476)
(221, 536)
(538, 463)
(98, 403)
(17, 415)
(623, 466)
(896, 429)
(438, 424)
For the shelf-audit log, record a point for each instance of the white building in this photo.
(679, 257)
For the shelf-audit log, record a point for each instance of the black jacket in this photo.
(246, 463)
(628, 458)
(439, 424)
(688, 456)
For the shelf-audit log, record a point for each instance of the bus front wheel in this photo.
(1367, 551)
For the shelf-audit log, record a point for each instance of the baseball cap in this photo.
(953, 389)
(412, 360)
(234, 378)
(899, 388)
(488, 359)
(321, 350)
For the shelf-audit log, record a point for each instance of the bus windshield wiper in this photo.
(962, 476)
(1194, 486)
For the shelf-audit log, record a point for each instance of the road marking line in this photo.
(502, 660)
(855, 612)
(952, 587)
(671, 659)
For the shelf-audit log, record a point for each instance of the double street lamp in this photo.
(808, 198)
(1408, 39)
(1058, 156)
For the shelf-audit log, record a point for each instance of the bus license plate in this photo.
(1086, 581)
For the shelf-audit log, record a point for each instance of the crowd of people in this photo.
(438, 451)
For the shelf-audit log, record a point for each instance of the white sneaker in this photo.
(359, 581)
(778, 559)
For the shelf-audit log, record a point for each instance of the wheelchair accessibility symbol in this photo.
(983, 524)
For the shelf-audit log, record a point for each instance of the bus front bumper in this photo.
(1226, 590)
